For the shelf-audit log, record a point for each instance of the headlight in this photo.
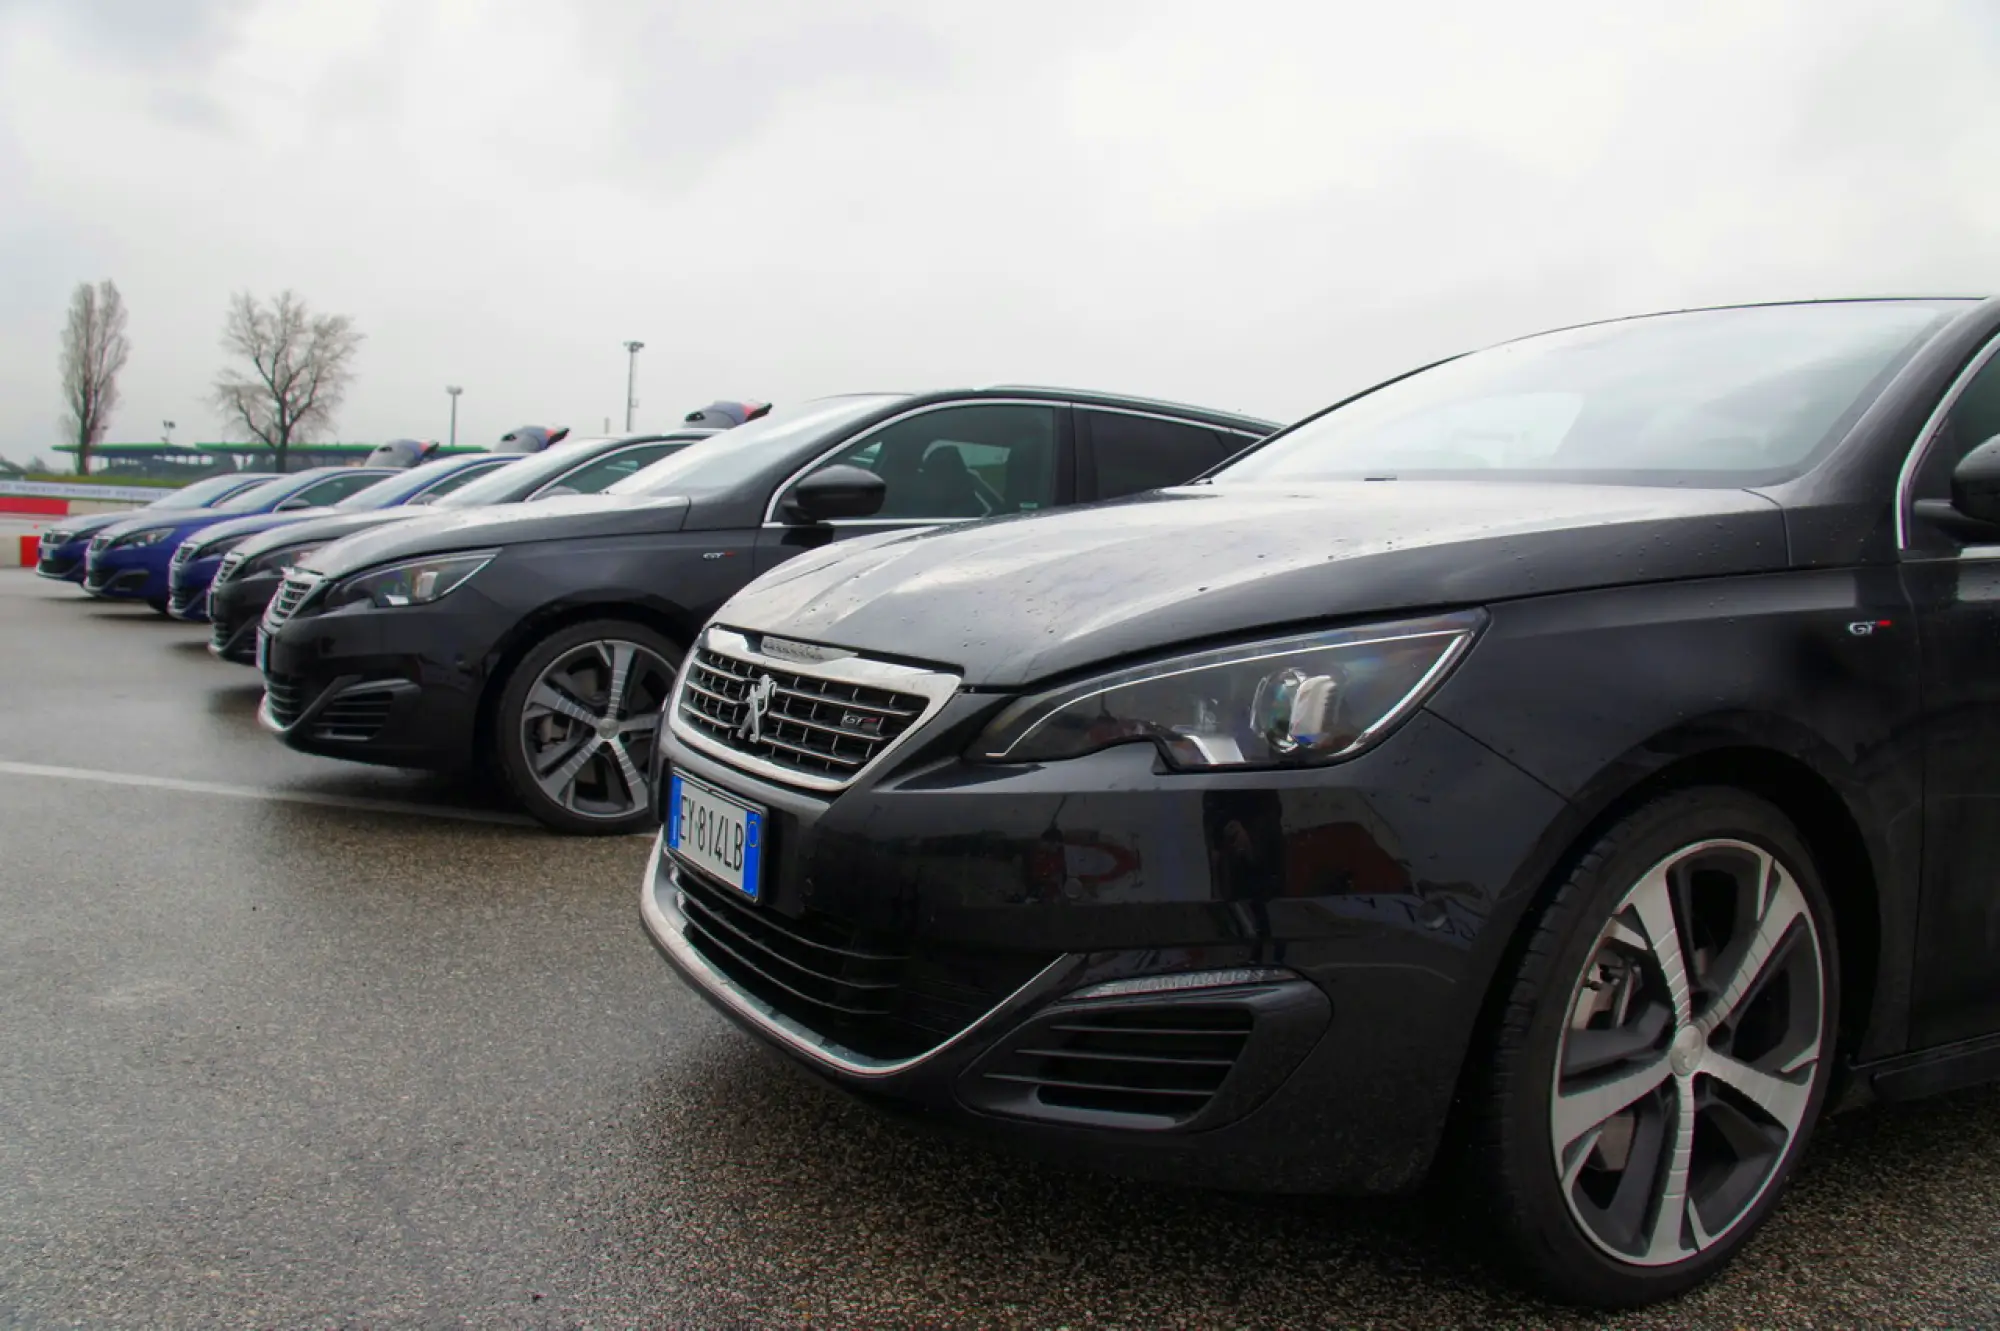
(152, 536)
(276, 561)
(1294, 702)
(418, 582)
(221, 545)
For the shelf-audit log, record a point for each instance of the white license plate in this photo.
(716, 833)
(263, 650)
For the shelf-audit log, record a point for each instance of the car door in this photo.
(954, 462)
(1956, 594)
(1122, 453)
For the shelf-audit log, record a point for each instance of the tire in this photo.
(159, 606)
(558, 733)
(1597, 1192)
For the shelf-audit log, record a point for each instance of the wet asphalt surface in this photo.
(272, 1063)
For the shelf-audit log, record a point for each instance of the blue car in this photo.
(128, 561)
(60, 555)
(191, 567)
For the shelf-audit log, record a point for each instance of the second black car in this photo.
(546, 641)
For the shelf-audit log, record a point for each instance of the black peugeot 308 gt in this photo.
(542, 639)
(1584, 752)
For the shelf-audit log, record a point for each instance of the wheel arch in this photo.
(670, 621)
(1821, 797)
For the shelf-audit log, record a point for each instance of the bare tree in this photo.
(301, 366)
(94, 348)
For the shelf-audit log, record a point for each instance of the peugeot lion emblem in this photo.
(751, 728)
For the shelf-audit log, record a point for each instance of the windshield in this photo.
(726, 459)
(393, 490)
(1739, 397)
(254, 499)
(519, 478)
(199, 493)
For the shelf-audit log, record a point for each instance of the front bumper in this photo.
(1372, 899)
(127, 574)
(64, 563)
(234, 607)
(399, 687)
(187, 588)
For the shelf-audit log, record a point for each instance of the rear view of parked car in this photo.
(543, 639)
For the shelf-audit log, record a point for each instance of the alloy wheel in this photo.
(589, 724)
(1687, 1062)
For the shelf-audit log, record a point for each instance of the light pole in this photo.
(166, 432)
(454, 390)
(631, 381)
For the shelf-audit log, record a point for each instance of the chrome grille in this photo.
(821, 727)
(99, 544)
(230, 563)
(179, 559)
(294, 592)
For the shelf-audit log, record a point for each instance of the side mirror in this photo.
(1975, 483)
(558, 492)
(1972, 515)
(294, 504)
(831, 493)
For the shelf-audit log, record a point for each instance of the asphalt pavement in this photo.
(288, 1043)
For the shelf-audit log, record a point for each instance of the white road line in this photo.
(256, 793)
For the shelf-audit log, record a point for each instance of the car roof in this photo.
(1085, 397)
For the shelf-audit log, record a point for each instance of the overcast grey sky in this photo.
(1246, 205)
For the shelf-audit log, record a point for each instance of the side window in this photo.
(1973, 419)
(1138, 453)
(962, 462)
(600, 474)
(453, 481)
(334, 489)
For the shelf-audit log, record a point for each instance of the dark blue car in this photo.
(191, 567)
(61, 553)
(128, 561)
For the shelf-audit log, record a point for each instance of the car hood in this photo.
(186, 521)
(89, 524)
(502, 524)
(321, 527)
(252, 524)
(1019, 600)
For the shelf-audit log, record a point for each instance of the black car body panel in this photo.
(1211, 561)
(666, 560)
(1804, 636)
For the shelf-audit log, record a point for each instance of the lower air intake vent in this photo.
(354, 718)
(1165, 1063)
(1151, 1064)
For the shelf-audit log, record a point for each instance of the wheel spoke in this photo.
(1783, 1098)
(1590, 1050)
(549, 698)
(1577, 1112)
(646, 723)
(621, 677)
(635, 781)
(1652, 902)
(1665, 1244)
(1780, 905)
(559, 779)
